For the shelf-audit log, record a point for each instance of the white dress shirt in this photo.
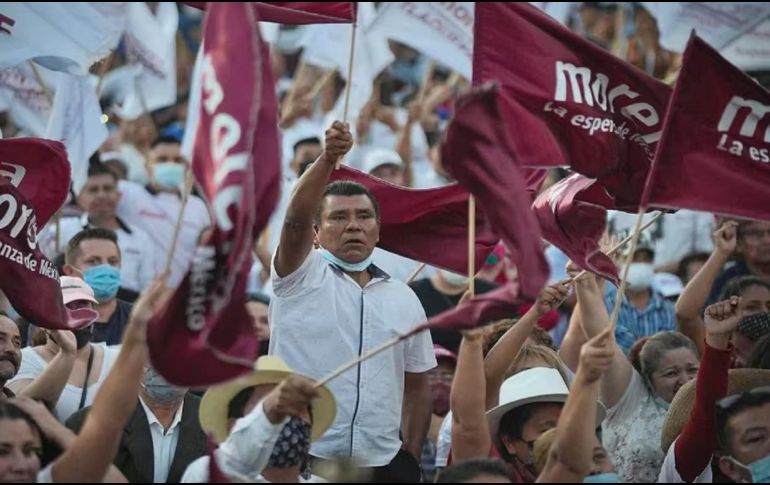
(164, 442)
(320, 319)
(245, 452)
(139, 264)
(157, 215)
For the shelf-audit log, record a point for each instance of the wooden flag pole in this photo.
(472, 246)
(416, 273)
(629, 260)
(180, 217)
(349, 84)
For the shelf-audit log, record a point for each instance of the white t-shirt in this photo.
(669, 474)
(157, 214)
(32, 365)
(632, 433)
(321, 319)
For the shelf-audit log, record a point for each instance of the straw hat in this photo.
(537, 385)
(267, 370)
(739, 380)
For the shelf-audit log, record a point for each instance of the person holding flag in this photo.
(333, 304)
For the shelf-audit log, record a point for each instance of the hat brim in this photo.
(79, 296)
(494, 415)
(739, 380)
(215, 403)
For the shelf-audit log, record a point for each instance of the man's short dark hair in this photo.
(739, 284)
(746, 401)
(98, 168)
(466, 471)
(314, 140)
(165, 140)
(259, 298)
(73, 246)
(687, 260)
(346, 188)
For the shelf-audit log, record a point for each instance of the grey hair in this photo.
(656, 347)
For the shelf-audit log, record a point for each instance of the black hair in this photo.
(512, 426)
(98, 168)
(346, 188)
(466, 471)
(744, 402)
(685, 262)
(311, 139)
(739, 284)
(259, 298)
(760, 358)
(50, 450)
(165, 139)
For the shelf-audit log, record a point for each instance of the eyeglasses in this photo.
(725, 404)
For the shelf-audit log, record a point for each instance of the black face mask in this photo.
(84, 336)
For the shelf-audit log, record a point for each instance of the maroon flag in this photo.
(715, 150)
(34, 180)
(573, 217)
(300, 12)
(428, 225)
(478, 153)
(566, 101)
(204, 335)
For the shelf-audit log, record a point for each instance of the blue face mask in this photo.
(602, 478)
(760, 469)
(169, 175)
(104, 280)
(350, 267)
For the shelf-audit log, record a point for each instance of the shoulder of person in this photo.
(128, 188)
(197, 471)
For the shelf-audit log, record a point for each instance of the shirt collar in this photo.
(376, 272)
(85, 222)
(151, 419)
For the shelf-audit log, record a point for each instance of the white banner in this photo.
(67, 37)
(752, 51)
(150, 42)
(76, 122)
(719, 24)
(25, 99)
(328, 46)
(440, 30)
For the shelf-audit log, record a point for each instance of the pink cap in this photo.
(441, 352)
(75, 289)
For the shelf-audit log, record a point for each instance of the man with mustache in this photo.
(10, 353)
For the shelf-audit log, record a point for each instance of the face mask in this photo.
(440, 392)
(83, 336)
(602, 478)
(454, 279)
(755, 327)
(293, 445)
(640, 276)
(760, 469)
(104, 280)
(160, 391)
(350, 267)
(169, 175)
(82, 317)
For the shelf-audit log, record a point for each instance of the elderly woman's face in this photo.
(675, 369)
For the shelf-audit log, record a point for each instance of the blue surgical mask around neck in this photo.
(602, 478)
(350, 267)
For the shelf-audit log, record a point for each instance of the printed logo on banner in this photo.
(754, 115)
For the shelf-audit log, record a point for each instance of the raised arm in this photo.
(470, 429)
(696, 293)
(48, 386)
(595, 320)
(501, 356)
(571, 454)
(91, 453)
(297, 234)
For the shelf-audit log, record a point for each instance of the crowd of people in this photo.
(677, 391)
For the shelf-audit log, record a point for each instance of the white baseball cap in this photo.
(378, 157)
(667, 284)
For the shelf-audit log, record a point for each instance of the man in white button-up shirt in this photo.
(334, 304)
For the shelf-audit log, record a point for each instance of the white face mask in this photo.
(640, 276)
(454, 279)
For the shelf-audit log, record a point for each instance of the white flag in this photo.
(719, 24)
(24, 98)
(76, 121)
(440, 30)
(67, 37)
(328, 46)
(150, 42)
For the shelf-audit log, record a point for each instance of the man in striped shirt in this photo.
(643, 312)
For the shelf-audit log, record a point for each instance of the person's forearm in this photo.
(48, 386)
(470, 429)
(593, 314)
(416, 413)
(501, 356)
(695, 446)
(569, 352)
(696, 293)
(309, 192)
(404, 150)
(572, 448)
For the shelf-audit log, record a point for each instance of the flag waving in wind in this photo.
(204, 335)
